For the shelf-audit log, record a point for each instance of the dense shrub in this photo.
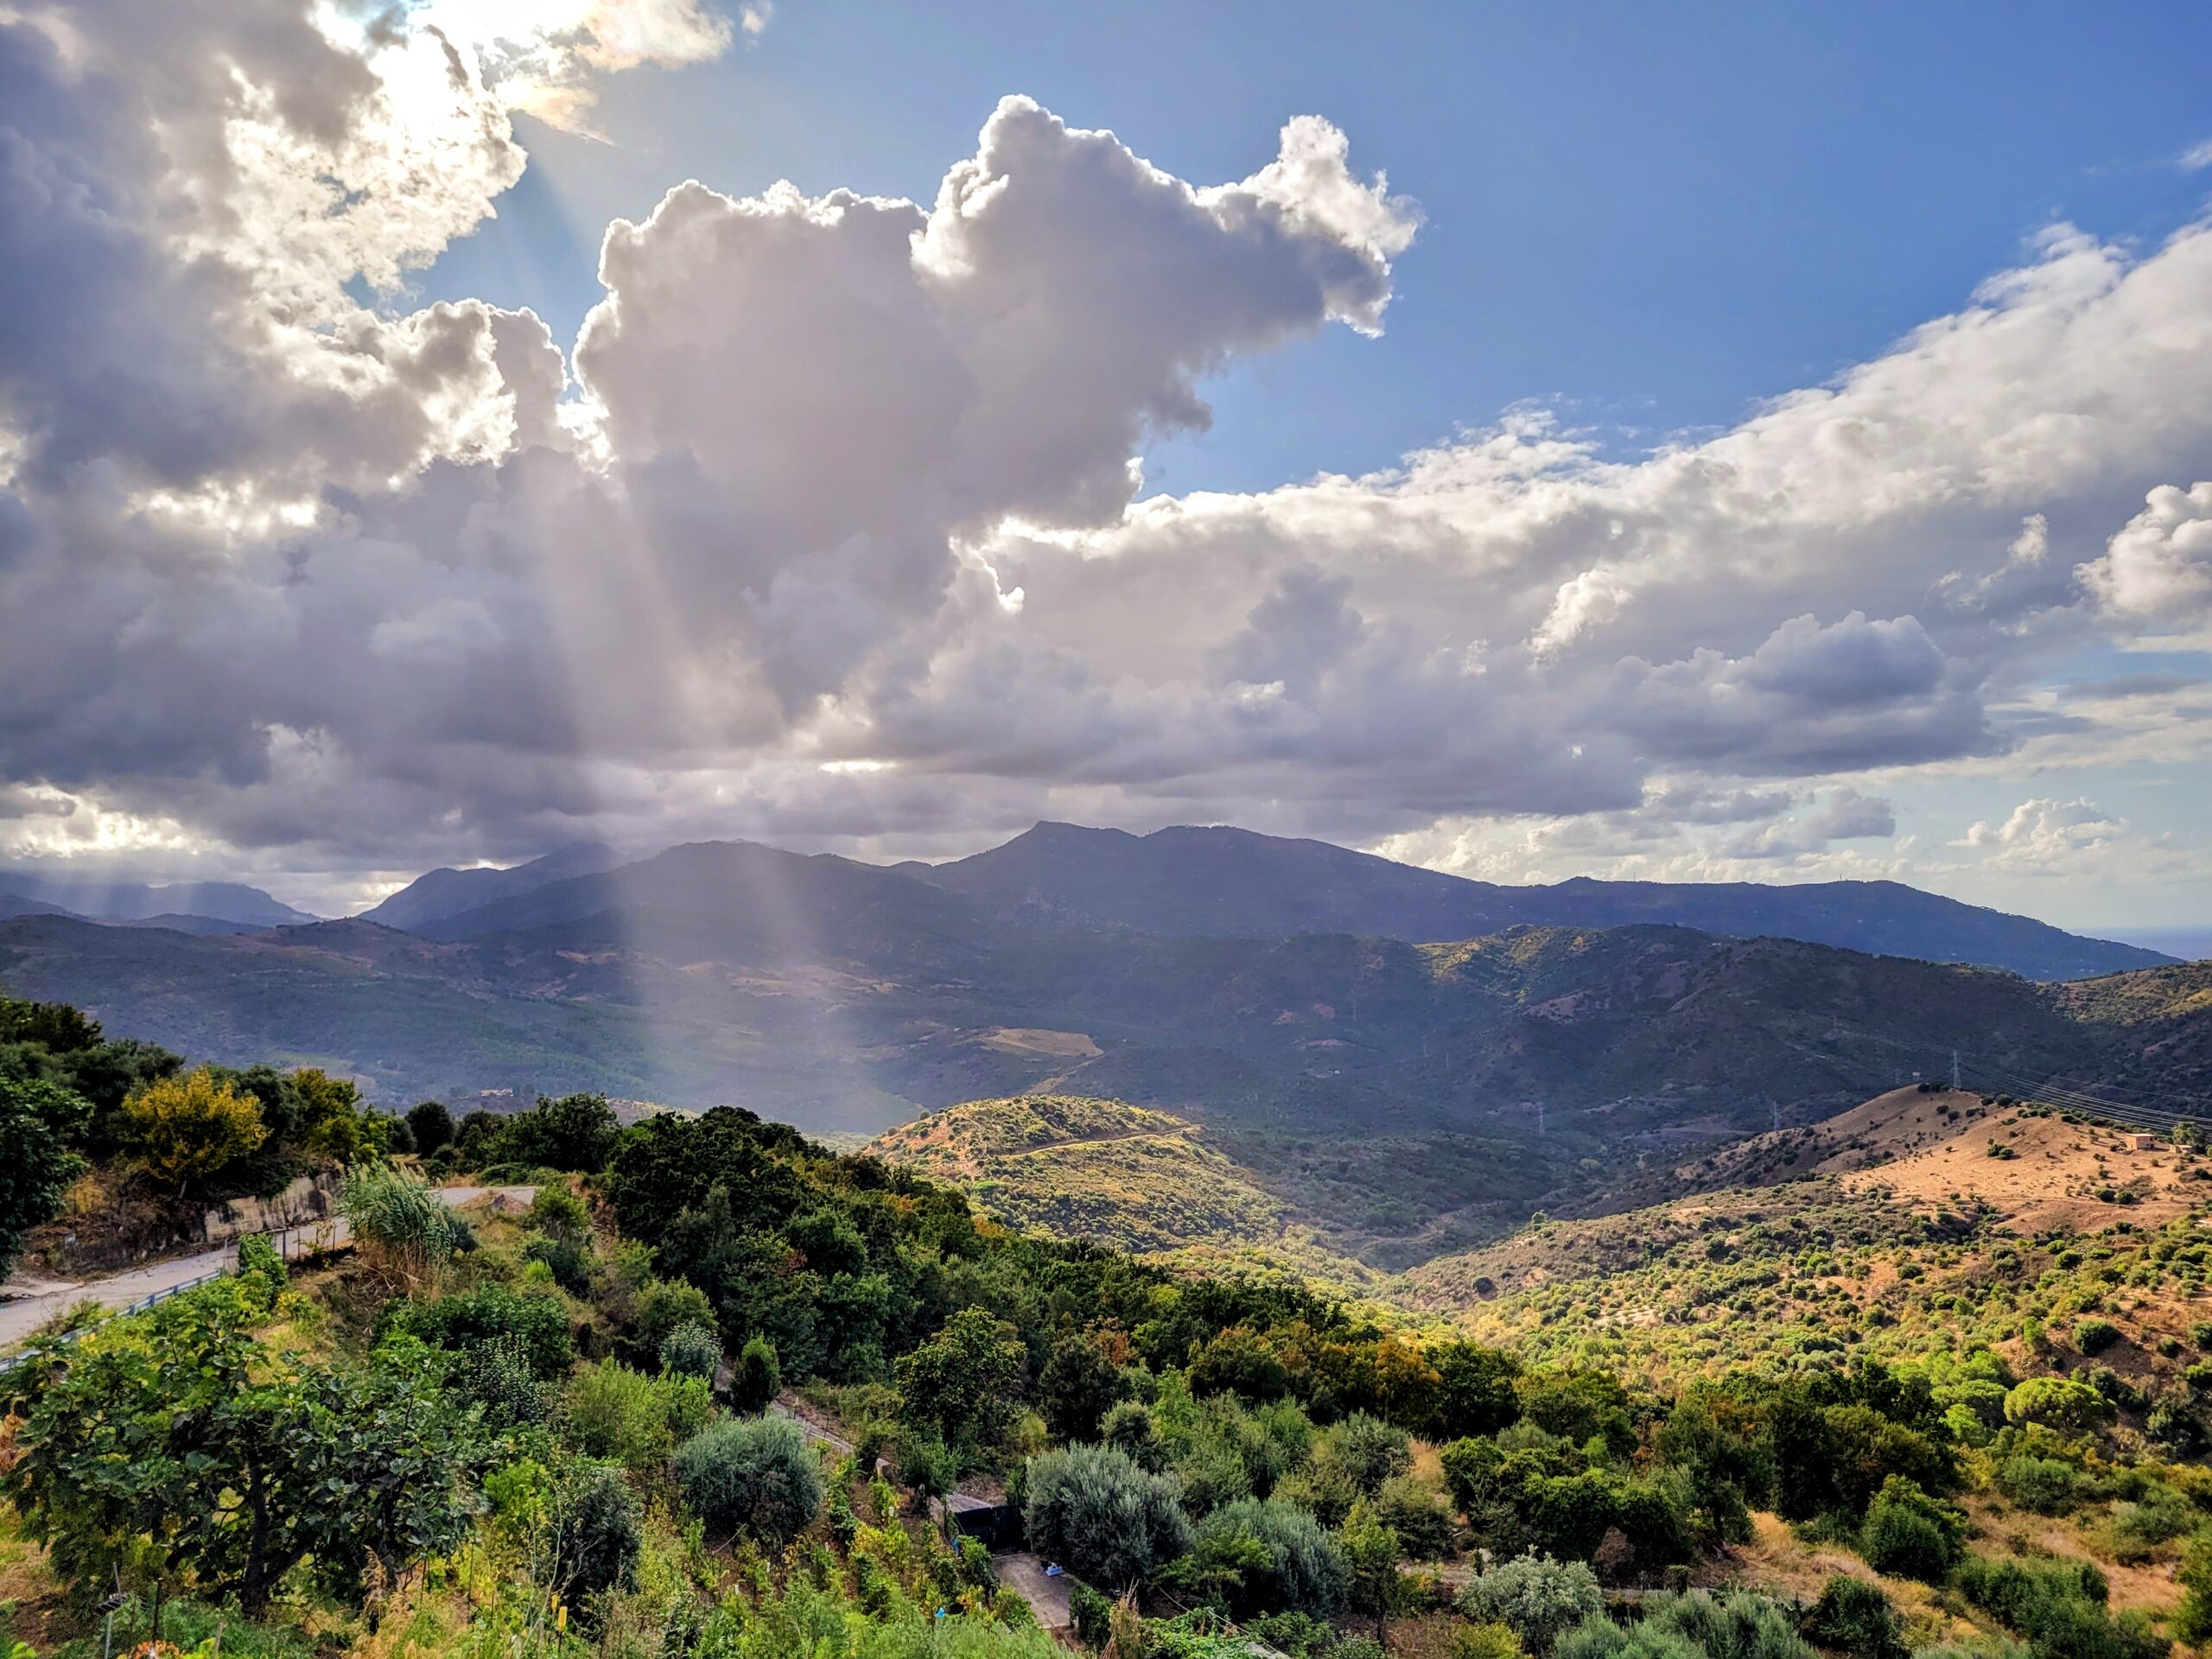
(536, 1320)
(1910, 1534)
(613, 1412)
(691, 1350)
(2059, 1609)
(2043, 1484)
(594, 1537)
(1414, 1510)
(758, 1377)
(756, 1476)
(259, 1259)
(2095, 1336)
(1096, 1511)
(1303, 1570)
(1367, 1450)
(1853, 1616)
(662, 1305)
(497, 1375)
(1089, 1612)
(2192, 1621)
(1735, 1625)
(1538, 1598)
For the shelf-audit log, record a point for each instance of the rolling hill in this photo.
(1914, 1214)
(1103, 1170)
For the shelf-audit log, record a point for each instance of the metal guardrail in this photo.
(300, 1242)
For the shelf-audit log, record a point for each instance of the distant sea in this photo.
(2191, 943)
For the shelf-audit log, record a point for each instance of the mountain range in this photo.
(842, 995)
(191, 906)
(1227, 883)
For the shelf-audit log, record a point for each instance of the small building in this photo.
(995, 1526)
(2136, 1140)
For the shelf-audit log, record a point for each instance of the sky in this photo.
(1703, 442)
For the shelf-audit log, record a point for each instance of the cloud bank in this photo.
(828, 526)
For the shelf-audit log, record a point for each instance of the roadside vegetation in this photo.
(699, 1395)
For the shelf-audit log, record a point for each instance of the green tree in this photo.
(1093, 1510)
(175, 1447)
(1291, 1564)
(1538, 1598)
(188, 1130)
(961, 1383)
(332, 1124)
(432, 1125)
(1371, 1554)
(2057, 1403)
(1578, 1406)
(1079, 1385)
(756, 1476)
(1475, 1393)
(38, 1119)
(55, 1026)
(576, 1132)
(758, 1378)
(691, 1350)
(1716, 1441)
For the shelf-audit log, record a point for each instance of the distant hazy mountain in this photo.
(773, 908)
(838, 996)
(1233, 883)
(14, 903)
(448, 892)
(133, 901)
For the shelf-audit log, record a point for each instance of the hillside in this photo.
(1230, 882)
(812, 992)
(1097, 1169)
(1863, 1232)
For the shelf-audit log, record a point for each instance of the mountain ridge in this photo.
(1224, 882)
(1228, 881)
(111, 902)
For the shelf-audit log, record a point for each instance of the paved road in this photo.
(39, 1300)
(1021, 1572)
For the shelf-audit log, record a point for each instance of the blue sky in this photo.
(1651, 217)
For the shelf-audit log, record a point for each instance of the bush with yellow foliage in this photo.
(188, 1129)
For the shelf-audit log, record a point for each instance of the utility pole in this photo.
(1778, 1117)
(1954, 1068)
